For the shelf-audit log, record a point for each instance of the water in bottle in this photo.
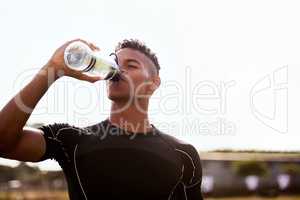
(79, 56)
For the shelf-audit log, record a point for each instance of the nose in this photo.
(122, 70)
(119, 75)
(122, 73)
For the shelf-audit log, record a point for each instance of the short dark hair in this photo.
(141, 47)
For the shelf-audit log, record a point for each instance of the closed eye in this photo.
(132, 66)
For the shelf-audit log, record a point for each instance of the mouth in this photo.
(117, 78)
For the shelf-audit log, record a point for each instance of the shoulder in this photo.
(98, 129)
(178, 144)
(190, 158)
(61, 131)
(52, 129)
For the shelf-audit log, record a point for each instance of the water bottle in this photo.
(80, 57)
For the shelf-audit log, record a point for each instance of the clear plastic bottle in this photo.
(79, 56)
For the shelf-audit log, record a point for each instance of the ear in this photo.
(156, 83)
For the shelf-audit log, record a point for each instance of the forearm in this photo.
(16, 112)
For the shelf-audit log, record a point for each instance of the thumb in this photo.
(89, 78)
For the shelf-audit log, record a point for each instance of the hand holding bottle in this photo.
(79, 56)
(57, 64)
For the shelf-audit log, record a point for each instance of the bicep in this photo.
(30, 147)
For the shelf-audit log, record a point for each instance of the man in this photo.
(122, 157)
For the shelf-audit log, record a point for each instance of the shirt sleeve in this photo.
(54, 147)
(193, 184)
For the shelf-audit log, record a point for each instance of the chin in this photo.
(118, 97)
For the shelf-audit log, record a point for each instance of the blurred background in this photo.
(229, 85)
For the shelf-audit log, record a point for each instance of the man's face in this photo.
(138, 73)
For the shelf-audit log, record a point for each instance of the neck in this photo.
(130, 117)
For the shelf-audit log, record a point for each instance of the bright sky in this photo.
(229, 68)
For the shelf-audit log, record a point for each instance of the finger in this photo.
(78, 39)
(75, 40)
(90, 44)
(94, 47)
(89, 78)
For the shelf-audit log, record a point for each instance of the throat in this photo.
(130, 118)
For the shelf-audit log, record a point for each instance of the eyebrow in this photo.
(132, 60)
(127, 60)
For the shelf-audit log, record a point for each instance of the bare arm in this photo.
(20, 142)
(15, 114)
